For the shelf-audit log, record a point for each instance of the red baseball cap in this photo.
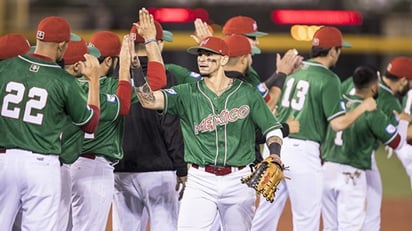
(328, 37)
(107, 42)
(75, 52)
(238, 45)
(54, 29)
(13, 44)
(137, 38)
(400, 67)
(242, 25)
(212, 44)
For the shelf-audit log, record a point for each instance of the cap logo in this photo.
(91, 45)
(204, 42)
(133, 36)
(254, 26)
(40, 35)
(315, 42)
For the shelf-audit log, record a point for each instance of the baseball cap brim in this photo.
(94, 51)
(195, 50)
(346, 44)
(256, 50)
(74, 37)
(167, 36)
(256, 34)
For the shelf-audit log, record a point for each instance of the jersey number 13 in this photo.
(296, 102)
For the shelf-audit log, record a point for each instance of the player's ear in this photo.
(224, 60)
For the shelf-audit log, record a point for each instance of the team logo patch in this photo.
(133, 36)
(40, 35)
(195, 75)
(390, 129)
(111, 98)
(170, 91)
(34, 68)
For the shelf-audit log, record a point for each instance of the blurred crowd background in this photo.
(380, 30)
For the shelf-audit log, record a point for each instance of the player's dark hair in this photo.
(320, 52)
(364, 76)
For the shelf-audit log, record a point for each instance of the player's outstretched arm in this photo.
(342, 122)
(146, 28)
(124, 88)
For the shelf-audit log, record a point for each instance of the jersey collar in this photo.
(385, 87)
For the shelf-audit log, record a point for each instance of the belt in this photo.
(2, 151)
(218, 170)
(88, 156)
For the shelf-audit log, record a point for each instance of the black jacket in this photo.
(152, 142)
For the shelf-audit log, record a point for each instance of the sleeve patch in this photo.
(170, 91)
(111, 98)
(342, 105)
(194, 75)
(390, 129)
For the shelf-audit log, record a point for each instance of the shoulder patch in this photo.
(170, 91)
(342, 105)
(390, 129)
(194, 75)
(111, 98)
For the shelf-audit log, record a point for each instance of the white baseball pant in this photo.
(305, 170)
(92, 193)
(30, 182)
(151, 193)
(207, 195)
(344, 197)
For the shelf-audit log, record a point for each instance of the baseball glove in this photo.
(265, 178)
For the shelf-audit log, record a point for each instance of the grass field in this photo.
(395, 181)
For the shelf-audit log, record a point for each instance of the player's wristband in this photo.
(276, 80)
(285, 129)
(137, 77)
(274, 148)
(147, 41)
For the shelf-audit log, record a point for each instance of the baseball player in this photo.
(312, 96)
(395, 82)
(145, 179)
(92, 174)
(13, 44)
(404, 154)
(348, 154)
(218, 125)
(35, 105)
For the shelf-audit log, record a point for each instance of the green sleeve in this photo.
(261, 115)
(381, 126)
(332, 103)
(182, 74)
(253, 77)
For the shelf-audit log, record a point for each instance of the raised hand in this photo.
(201, 31)
(146, 27)
(290, 61)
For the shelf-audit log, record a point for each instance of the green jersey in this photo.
(354, 145)
(219, 130)
(36, 98)
(106, 141)
(182, 74)
(313, 97)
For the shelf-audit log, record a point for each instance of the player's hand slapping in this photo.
(146, 27)
(202, 30)
(125, 57)
(90, 68)
(289, 63)
(181, 181)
